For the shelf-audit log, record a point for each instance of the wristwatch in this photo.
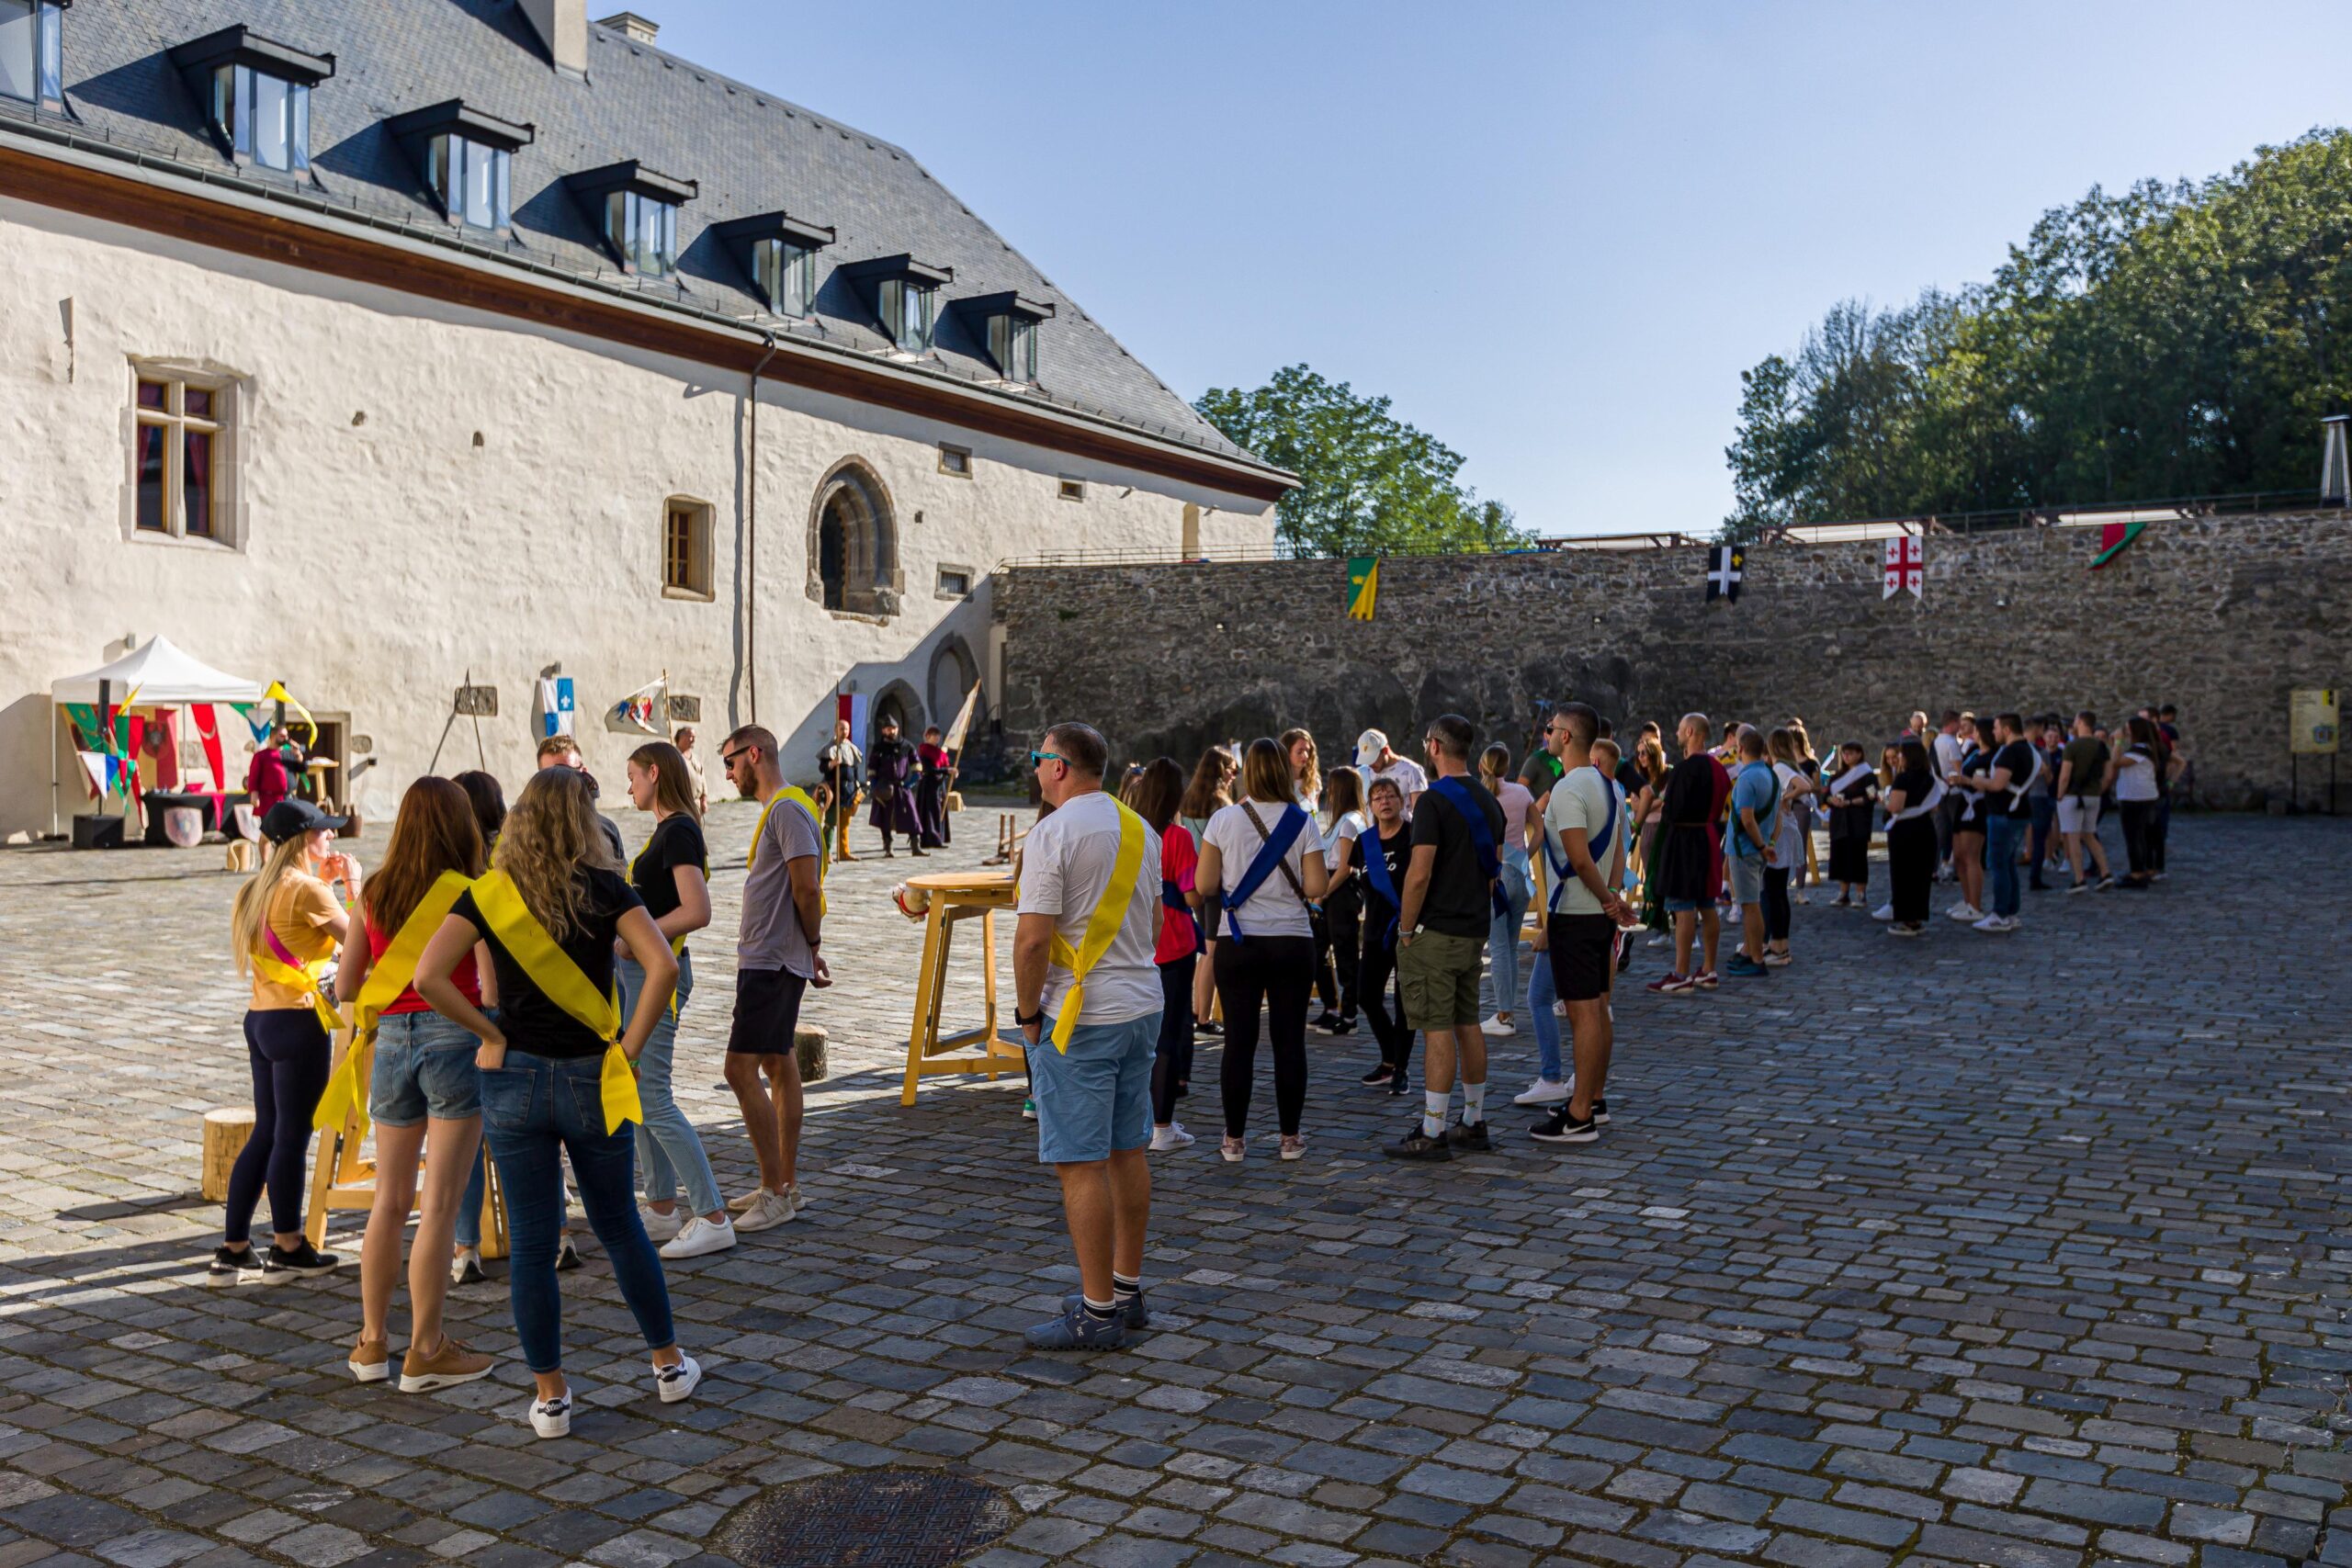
(1022, 1020)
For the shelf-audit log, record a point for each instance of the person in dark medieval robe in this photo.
(931, 789)
(890, 767)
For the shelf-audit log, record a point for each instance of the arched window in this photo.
(854, 544)
(953, 673)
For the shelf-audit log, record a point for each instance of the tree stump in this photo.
(954, 800)
(809, 1050)
(225, 1132)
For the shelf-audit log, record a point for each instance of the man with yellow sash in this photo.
(777, 958)
(1088, 999)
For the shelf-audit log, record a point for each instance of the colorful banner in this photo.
(278, 692)
(1906, 567)
(555, 706)
(639, 713)
(1363, 586)
(2113, 539)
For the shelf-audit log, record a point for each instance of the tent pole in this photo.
(52, 770)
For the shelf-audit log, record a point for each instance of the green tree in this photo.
(1372, 484)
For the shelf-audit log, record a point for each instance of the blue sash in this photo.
(1283, 834)
(1561, 870)
(1482, 837)
(1375, 870)
(1173, 897)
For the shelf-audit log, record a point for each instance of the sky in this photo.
(1554, 234)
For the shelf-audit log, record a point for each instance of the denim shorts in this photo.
(1094, 1099)
(1746, 875)
(424, 1067)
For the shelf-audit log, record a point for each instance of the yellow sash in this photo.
(1102, 926)
(560, 980)
(387, 978)
(310, 979)
(799, 798)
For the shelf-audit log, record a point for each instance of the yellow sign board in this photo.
(2311, 722)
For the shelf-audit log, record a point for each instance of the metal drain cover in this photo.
(882, 1518)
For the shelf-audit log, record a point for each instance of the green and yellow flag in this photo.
(1363, 586)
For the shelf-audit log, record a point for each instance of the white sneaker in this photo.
(660, 1227)
(769, 1211)
(1542, 1091)
(1559, 1010)
(792, 1190)
(553, 1417)
(1496, 1027)
(1965, 911)
(742, 1205)
(1883, 912)
(674, 1383)
(1169, 1137)
(699, 1237)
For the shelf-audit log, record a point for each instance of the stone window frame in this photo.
(695, 581)
(970, 575)
(1069, 489)
(874, 581)
(954, 461)
(230, 418)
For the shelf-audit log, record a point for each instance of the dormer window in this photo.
(257, 93)
(636, 211)
(782, 256)
(1012, 331)
(467, 157)
(32, 51)
(905, 298)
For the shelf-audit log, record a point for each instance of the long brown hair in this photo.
(436, 832)
(1309, 784)
(1207, 791)
(550, 838)
(1154, 794)
(671, 792)
(1347, 792)
(1266, 775)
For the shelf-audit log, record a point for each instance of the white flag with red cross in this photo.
(1903, 567)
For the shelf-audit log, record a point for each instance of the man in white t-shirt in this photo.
(1947, 748)
(1584, 830)
(1093, 1090)
(1373, 755)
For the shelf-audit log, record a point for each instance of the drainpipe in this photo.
(752, 540)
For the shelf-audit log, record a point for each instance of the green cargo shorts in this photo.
(1438, 976)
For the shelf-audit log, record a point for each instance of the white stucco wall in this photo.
(382, 557)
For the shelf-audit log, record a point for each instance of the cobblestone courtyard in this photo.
(2022, 1251)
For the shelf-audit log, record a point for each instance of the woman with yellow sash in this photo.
(558, 1068)
(283, 931)
(423, 1090)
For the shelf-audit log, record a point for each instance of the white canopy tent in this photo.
(156, 675)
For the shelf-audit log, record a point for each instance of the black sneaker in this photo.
(1401, 1084)
(568, 1259)
(1600, 1110)
(1133, 1313)
(1209, 1027)
(2104, 883)
(280, 1265)
(1380, 1076)
(228, 1267)
(1417, 1144)
(1471, 1137)
(1327, 1024)
(1561, 1127)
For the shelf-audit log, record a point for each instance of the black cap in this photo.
(290, 817)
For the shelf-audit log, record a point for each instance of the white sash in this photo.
(1935, 798)
(2018, 791)
(1852, 775)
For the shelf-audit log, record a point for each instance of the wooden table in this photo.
(954, 897)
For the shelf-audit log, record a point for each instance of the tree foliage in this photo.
(2171, 341)
(1372, 483)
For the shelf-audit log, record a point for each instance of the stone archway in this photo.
(898, 700)
(953, 673)
(854, 543)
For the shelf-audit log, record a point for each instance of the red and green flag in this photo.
(2114, 539)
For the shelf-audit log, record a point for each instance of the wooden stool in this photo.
(241, 855)
(953, 896)
(225, 1134)
(809, 1053)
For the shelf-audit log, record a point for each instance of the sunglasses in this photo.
(729, 758)
(1037, 757)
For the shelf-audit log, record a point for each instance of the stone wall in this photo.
(2221, 616)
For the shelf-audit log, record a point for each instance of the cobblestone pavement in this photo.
(1974, 1249)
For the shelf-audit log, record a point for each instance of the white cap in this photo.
(1369, 746)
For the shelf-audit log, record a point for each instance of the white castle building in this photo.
(373, 347)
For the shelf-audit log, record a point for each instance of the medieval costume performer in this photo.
(931, 789)
(840, 762)
(889, 773)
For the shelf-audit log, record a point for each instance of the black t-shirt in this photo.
(1914, 785)
(530, 1022)
(2016, 800)
(1974, 807)
(1397, 854)
(1458, 902)
(677, 841)
(1629, 777)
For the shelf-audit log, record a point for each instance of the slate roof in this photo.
(748, 150)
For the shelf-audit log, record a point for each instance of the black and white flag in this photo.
(1726, 564)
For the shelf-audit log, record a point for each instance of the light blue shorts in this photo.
(424, 1067)
(1095, 1099)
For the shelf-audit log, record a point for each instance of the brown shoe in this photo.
(371, 1360)
(450, 1364)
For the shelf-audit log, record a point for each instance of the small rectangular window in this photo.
(685, 548)
(265, 117)
(907, 313)
(955, 583)
(31, 56)
(1073, 489)
(957, 460)
(175, 453)
(786, 275)
(471, 181)
(1012, 344)
(643, 230)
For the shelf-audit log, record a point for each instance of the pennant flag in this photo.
(208, 730)
(2112, 539)
(555, 706)
(83, 717)
(1726, 564)
(954, 739)
(1363, 586)
(639, 713)
(99, 766)
(261, 726)
(278, 692)
(1905, 567)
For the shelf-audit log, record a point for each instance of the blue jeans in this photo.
(1541, 994)
(1502, 931)
(468, 1229)
(665, 1139)
(2045, 814)
(535, 1108)
(2001, 836)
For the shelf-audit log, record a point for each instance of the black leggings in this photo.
(1911, 867)
(1389, 1031)
(2139, 826)
(1171, 1062)
(1344, 911)
(1327, 981)
(289, 1051)
(1272, 975)
(1776, 902)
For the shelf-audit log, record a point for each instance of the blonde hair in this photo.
(1266, 775)
(1781, 745)
(551, 837)
(1310, 783)
(251, 907)
(1605, 756)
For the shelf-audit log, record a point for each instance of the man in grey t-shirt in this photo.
(777, 958)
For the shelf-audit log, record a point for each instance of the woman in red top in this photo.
(423, 1090)
(1153, 796)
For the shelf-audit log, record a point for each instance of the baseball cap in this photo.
(1369, 746)
(289, 819)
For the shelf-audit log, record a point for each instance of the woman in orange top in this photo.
(286, 921)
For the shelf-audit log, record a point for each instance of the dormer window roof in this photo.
(256, 93)
(780, 252)
(904, 293)
(636, 211)
(466, 156)
(1012, 320)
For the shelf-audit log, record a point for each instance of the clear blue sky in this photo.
(1554, 233)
